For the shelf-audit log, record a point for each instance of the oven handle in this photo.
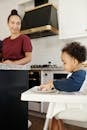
(34, 79)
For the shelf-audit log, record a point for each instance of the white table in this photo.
(61, 97)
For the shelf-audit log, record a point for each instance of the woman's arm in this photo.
(23, 61)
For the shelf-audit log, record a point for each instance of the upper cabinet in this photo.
(72, 17)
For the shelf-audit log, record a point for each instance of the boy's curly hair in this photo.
(76, 50)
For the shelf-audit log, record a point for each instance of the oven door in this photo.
(34, 80)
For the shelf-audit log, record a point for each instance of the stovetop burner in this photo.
(43, 66)
(46, 67)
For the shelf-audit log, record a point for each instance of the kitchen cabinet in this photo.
(13, 111)
(24, 5)
(72, 17)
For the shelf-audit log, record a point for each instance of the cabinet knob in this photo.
(45, 74)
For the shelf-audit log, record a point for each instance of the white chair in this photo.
(74, 114)
(80, 114)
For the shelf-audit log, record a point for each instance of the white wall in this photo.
(44, 49)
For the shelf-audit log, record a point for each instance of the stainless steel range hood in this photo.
(40, 21)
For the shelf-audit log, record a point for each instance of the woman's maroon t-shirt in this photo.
(14, 49)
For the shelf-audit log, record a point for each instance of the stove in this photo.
(46, 67)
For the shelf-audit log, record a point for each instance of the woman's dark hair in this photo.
(13, 12)
(76, 50)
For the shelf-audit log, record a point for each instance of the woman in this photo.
(0, 51)
(73, 55)
(17, 48)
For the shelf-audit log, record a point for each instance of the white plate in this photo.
(36, 89)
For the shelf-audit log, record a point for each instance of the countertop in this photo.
(48, 68)
(14, 67)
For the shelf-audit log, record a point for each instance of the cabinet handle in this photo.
(32, 79)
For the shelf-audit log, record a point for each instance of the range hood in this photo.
(40, 21)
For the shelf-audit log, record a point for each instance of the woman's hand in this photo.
(8, 62)
(22, 61)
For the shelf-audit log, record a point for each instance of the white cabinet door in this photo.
(72, 16)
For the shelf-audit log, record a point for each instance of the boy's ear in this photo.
(75, 61)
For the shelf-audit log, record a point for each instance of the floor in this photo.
(38, 119)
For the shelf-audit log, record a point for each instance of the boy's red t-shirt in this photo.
(14, 49)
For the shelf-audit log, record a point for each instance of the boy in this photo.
(72, 55)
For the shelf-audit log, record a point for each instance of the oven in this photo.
(34, 78)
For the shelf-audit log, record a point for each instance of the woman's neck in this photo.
(13, 36)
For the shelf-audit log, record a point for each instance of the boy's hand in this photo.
(46, 87)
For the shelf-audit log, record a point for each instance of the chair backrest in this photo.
(84, 85)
